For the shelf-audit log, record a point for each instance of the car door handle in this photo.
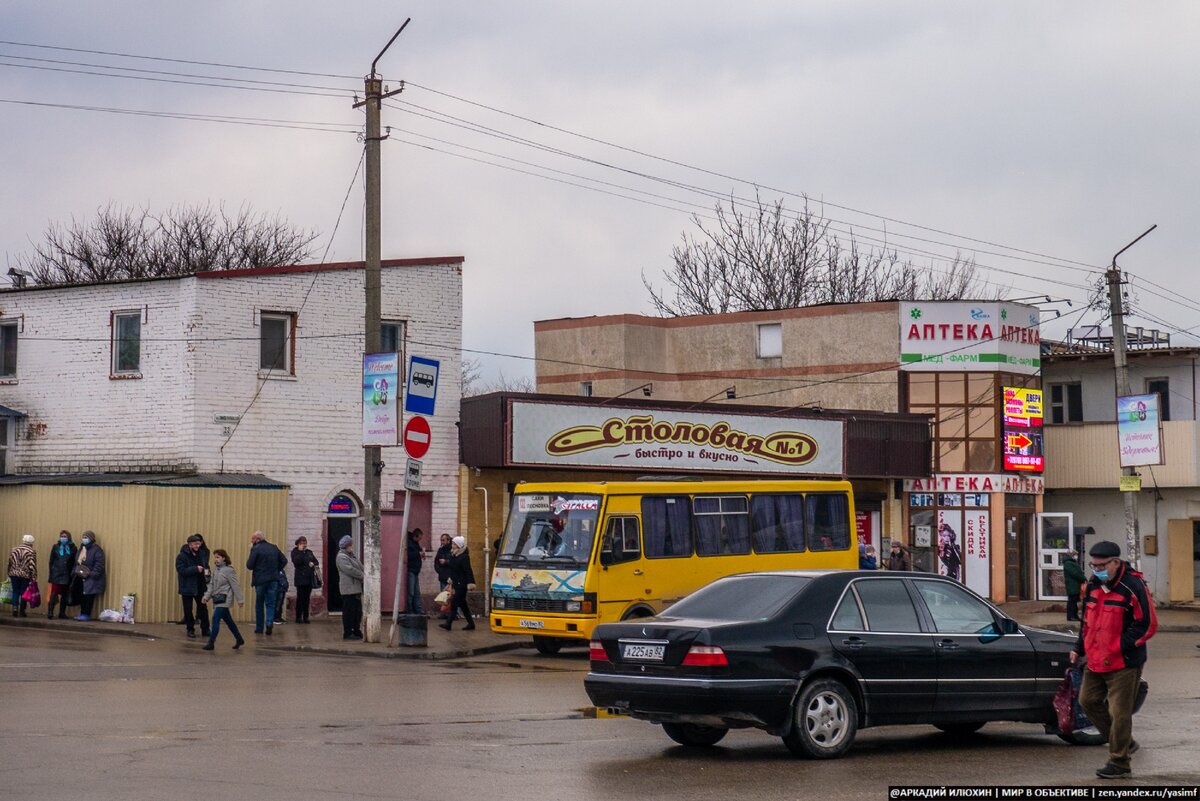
(638, 573)
(853, 642)
(949, 645)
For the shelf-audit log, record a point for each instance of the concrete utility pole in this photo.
(373, 455)
(1121, 367)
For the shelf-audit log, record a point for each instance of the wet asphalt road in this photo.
(105, 717)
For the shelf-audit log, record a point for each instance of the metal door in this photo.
(1054, 542)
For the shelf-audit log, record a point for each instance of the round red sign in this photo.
(416, 436)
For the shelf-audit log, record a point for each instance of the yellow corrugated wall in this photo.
(141, 529)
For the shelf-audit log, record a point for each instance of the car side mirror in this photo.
(1009, 626)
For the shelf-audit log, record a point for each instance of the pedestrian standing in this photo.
(1074, 578)
(222, 591)
(441, 566)
(304, 571)
(416, 555)
(899, 558)
(191, 568)
(462, 579)
(1118, 619)
(350, 584)
(91, 572)
(22, 569)
(281, 590)
(264, 564)
(59, 572)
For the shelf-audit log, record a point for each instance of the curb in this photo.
(81, 627)
(400, 653)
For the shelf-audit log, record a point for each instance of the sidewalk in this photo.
(1053, 615)
(322, 636)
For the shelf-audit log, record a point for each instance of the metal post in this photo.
(487, 553)
(1121, 368)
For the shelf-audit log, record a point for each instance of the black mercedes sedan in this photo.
(814, 656)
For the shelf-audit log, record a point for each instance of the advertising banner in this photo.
(665, 439)
(1023, 450)
(977, 561)
(963, 336)
(949, 546)
(1138, 430)
(380, 382)
(1022, 407)
(976, 482)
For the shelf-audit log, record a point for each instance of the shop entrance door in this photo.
(1054, 543)
(342, 520)
(1016, 557)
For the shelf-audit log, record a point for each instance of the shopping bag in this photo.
(1066, 702)
(32, 595)
(127, 608)
(6, 592)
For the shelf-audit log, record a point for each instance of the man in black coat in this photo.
(264, 565)
(191, 565)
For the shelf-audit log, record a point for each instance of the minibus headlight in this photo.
(499, 603)
(574, 606)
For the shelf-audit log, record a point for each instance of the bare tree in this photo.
(123, 243)
(766, 257)
(472, 383)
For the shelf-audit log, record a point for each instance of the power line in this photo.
(178, 60)
(1065, 262)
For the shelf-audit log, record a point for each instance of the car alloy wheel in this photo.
(694, 735)
(826, 720)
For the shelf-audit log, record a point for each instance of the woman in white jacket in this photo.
(222, 590)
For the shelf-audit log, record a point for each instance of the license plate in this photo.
(650, 653)
(533, 624)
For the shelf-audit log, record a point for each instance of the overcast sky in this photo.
(1063, 129)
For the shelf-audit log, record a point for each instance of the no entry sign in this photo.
(416, 436)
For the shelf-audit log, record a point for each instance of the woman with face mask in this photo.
(90, 572)
(62, 566)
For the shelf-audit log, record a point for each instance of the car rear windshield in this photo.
(739, 598)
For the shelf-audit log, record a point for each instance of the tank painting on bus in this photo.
(532, 583)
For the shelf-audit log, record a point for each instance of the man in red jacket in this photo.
(1118, 618)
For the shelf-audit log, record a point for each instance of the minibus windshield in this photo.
(550, 529)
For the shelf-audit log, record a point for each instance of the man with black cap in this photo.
(1118, 619)
(191, 565)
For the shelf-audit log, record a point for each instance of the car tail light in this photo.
(705, 656)
(596, 652)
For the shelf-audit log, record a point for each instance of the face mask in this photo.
(63, 540)
(1101, 574)
(86, 541)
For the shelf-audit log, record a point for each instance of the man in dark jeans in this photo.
(264, 565)
(415, 556)
(191, 565)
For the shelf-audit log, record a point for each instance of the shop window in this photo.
(1066, 403)
(952, 457)
(952, 388)
(770, 340)
(922, 389)
(1163, 387)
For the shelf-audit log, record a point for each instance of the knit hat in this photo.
(345, 542)
(459, 541)
(27, 539)
(1105, 550)
(195, 538)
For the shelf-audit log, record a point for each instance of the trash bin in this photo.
(413, 631)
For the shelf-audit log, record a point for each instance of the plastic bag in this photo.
(1066, 702)
(110, 616)
(127, 602)
(6, 592)
(32, 595)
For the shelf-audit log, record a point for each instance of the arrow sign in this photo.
(1018, 441)
(416, 436)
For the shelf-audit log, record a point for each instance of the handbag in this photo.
(6, 591)
(32, 595)
(219, 598)
(316, 573)
(83, 571)
(442, 597)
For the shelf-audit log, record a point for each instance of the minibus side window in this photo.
(777, 523)
(622, 542)
(667, 524)
(828, 521)
(722, 525)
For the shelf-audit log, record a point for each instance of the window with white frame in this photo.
(277, 342)
(391, 336)
(770, 340)
(585, 389)
(126, 343)
(8, 350)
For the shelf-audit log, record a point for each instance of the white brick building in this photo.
(168, 405)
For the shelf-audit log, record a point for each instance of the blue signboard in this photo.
(421, 396)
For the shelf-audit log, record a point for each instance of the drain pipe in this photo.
(487, 556)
